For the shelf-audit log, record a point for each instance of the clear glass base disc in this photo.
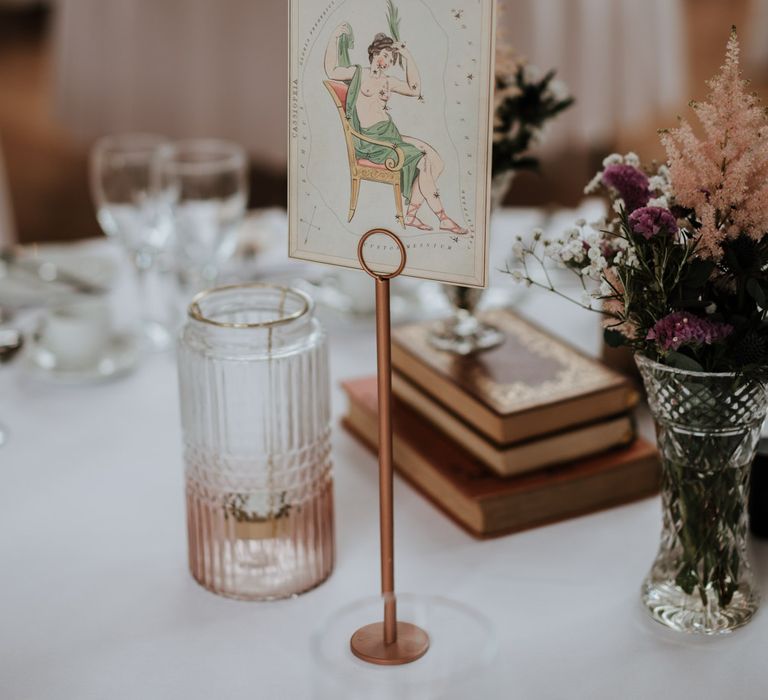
(460, 341)
(462, 646)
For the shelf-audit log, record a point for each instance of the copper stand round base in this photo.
(368, 644)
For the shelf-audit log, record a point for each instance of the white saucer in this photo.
(120, 356)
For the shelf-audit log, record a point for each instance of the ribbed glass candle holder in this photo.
(255, 408)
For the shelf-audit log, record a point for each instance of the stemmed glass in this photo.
(127, 210)
(202, 190)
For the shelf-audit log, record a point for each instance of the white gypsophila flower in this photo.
(657, 183)
(580, 223)
(586, 299)
(596, 267)
(537, 233)
(658, 202)
(613, 159)
(585, 271)
(532, 74)
(593, 253)
(618, 257)
(559, 90)
(576, 249)
(618, 205)
(517, 250)
(517, 276)
(631, 258)
(594, 184)
(572, 233)
(553, 249)
(632, 159)
(711, 307)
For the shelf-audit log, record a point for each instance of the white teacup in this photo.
(76, 336)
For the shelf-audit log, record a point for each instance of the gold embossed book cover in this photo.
(390, 125)
(533, 384)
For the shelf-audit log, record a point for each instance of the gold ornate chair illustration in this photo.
(360, 168)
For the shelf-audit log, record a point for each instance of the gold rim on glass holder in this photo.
(196, 313)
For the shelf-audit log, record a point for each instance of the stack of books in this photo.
(528, 433)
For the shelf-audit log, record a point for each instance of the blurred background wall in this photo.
(73, 70)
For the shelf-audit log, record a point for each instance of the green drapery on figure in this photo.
(346, 42)
(383, 131)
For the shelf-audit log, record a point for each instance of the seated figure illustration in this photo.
(376, 149)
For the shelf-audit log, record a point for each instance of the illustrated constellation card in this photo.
(390, 125)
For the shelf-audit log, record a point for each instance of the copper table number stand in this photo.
(389, 642)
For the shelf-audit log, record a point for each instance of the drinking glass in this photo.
(202, 185)
(127, 210)
(255, 413)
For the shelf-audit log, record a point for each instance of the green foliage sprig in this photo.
(524, 104)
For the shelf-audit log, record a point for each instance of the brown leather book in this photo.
(486, 504)
(525, 456)
(533, 384)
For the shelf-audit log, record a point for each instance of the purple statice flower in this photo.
(630, 183)
(651, 221)
(682, 328)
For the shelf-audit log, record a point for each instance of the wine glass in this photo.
(202, 188)
(127, 210)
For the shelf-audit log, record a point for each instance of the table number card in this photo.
(390, 111)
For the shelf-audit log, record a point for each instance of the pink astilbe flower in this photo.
(651, 221)
(682, 328)
(723, 175)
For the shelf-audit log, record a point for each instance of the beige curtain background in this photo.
(205, 67)
(624, 60)
(179, 67)
(198, 67)
(757, 36)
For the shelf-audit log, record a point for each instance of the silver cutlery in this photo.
(47, 271)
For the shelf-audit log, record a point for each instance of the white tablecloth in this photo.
(96, 601)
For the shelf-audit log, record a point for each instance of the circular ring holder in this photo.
(364, 264)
